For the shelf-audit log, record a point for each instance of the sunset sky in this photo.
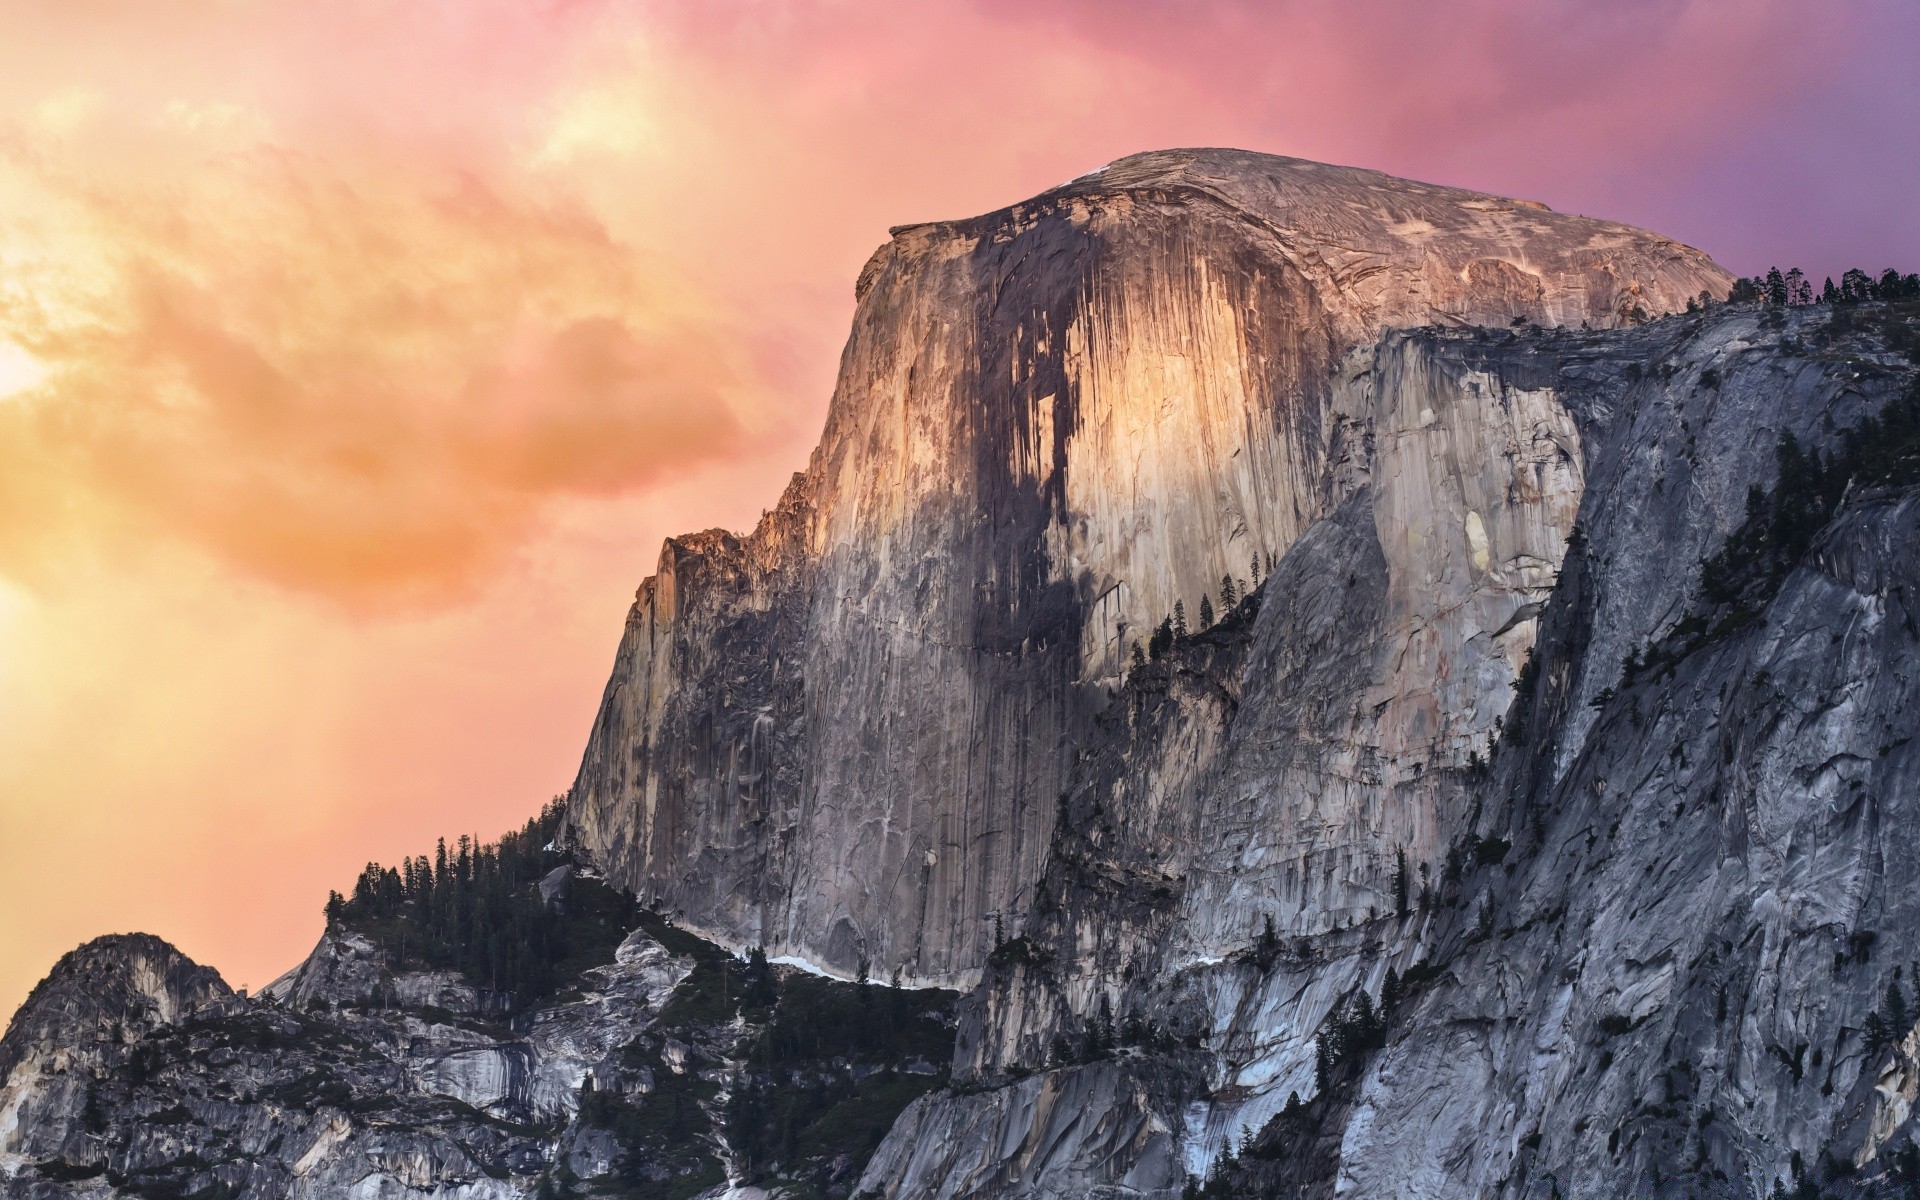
(355, 356)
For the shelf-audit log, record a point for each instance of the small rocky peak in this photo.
(347, 968)
(112, 988)
(344, 967)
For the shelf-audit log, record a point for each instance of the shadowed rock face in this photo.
(845, 735)
(132, 1070)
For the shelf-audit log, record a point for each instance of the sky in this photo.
(356, 356)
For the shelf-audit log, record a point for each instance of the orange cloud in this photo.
(368, 387)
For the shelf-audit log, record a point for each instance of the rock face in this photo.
(1656, 936)
(109, 989)
(844, 735)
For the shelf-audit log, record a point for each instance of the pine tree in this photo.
(1799, 291)
(1229, 597)
(1400, 882)
(1206, 613)
(1179, 620)
(1776, 287)
(1162, 639)
(1139, 655)
(1256, 569)
(1267, 948)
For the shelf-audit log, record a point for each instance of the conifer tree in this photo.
(1179, 620)
(1161, 640)
(1229, 595)
(1799, 291)
(1206, 613)
(1401, 883)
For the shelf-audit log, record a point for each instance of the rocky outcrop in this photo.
(1712, 887)
(663, 1073)
(111, 989)
(364, 1087)
(844, 735)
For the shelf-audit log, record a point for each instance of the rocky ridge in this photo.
(658, 1074)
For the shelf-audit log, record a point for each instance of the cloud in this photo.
(368, 386)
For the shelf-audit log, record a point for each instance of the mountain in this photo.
(845, 734)
(1302, 683)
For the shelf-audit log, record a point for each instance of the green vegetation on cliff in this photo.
(477, 909)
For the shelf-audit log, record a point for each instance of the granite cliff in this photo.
(1521, 803)
(1644, 930)
(843, 736)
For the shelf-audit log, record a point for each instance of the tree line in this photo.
(1173, 628)
(477, 909)
(1779, 288)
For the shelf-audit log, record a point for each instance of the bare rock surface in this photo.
(843, 735)
(662, 1074)
(343, 1079)
(1651, 938)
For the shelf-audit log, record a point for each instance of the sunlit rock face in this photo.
(1673, 973)
(845, 735)
(1280, 769)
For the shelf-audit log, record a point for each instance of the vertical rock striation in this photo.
(843, 736)
(1654, 938)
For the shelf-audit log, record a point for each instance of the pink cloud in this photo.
(369, 395)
